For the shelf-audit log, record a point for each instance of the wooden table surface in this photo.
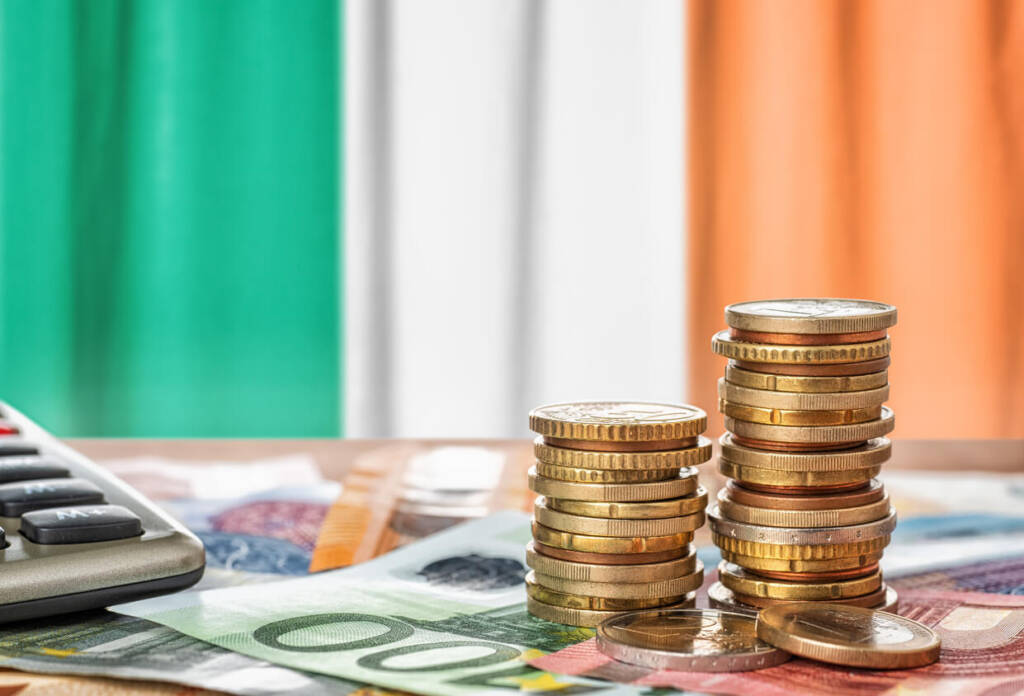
(335, 456)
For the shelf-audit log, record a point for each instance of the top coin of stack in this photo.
(803, 518)
(618, 505)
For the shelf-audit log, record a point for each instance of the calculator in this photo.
(76, 537)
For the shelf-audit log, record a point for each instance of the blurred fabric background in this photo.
(423, 217)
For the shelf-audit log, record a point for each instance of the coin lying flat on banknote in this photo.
(695, 640)
(850, 636)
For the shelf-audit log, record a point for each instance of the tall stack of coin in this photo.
(619, 503)
(803, 518)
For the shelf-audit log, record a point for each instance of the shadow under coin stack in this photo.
(619, 503)
(803, 517)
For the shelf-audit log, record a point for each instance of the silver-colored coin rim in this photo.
(872, 453)
(611, 527)
(684, 484)
(622, 461)
(667, 659)
(856, 323)
(814, 519)
(851, 432)
(801, 401)
(762, 534)
(669, 587)
(721, 597)
(583, 572)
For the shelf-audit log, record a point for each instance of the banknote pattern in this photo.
(445, 615)
(982, 653)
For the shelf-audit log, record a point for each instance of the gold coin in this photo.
(655, 509)
(794, 565)
(691, 640)
(781, 416)
(598, 526)
(745, 582)
(810, 315)
(574, 601)
(586, 617)
(603, 544)
(618, 421)
(671, 587)
(835, 517)
(565, 473)
(721, 597)
(802, 552)
(724, 344)
(590, 572)
(800, 535)
(804, 385)
(872, 453)
(610, 461)
(849, 636)
(799, 401)
(684, 484)
(821, 434)
(773, 477)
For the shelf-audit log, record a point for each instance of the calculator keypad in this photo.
(30, 468)
(81, 524)
(18, 498)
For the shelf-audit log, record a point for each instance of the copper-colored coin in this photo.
(617, 446)
(804, 490)
(806, 339)
(862, 495)
(610, 558)
(820, 577)
(834, 370)
(793, 446)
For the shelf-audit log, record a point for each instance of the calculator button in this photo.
(29, 468)
(19, 498)
(17, 449)
(81, 524)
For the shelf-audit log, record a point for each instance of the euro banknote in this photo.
(982, 646)
(108, 644)
(444, 615)
(260, 537)
(21, 684)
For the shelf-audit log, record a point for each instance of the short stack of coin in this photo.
(618, 505)
(803, 518)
